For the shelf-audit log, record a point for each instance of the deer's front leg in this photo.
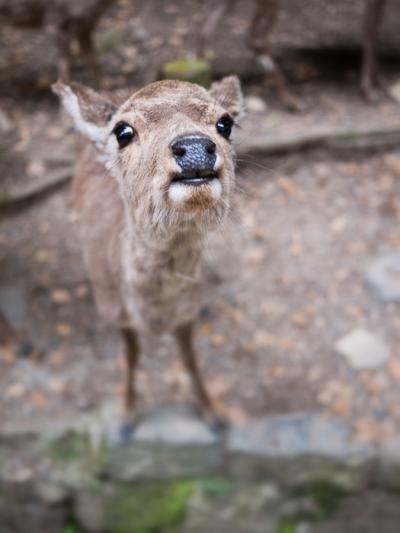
(373, 16)
(132, 350)
(184, 337)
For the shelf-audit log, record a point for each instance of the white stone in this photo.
(362, 349)
(383, 277)
(255, 104)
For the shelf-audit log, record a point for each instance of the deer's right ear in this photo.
(89, 110)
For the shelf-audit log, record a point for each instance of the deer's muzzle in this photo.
(196, 156)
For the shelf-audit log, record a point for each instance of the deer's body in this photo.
(151, 285)
(159, 176)
(64, 19)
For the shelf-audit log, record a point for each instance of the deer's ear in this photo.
(89, 110)
(228, 94)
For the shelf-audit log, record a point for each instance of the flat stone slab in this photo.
(294, 435)
(177, 425)
(362, 349)
(383, 277)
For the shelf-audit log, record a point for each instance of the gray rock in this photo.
(255, 104)
(175, 425)
(362, 349)
(388, 464)
(292, 435)
(298, 449)
(139, 460)
(383, 277)
(51, 493)
(90, 508)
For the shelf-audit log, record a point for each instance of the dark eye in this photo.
(124, 134)
(224, 126)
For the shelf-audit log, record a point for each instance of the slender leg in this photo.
(373, 16)
(184, 337)
(85, 38)
(64, 53)
(132, 356)
(259, 39)
(7, 333)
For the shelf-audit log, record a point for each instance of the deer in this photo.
(156, 174)
(259, 40)
(64, 20)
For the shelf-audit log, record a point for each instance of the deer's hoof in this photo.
(218, 425)
(126, 431)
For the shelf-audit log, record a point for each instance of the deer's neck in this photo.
(175, 255)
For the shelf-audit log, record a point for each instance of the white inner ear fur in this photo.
(179, 193)
(96, 134)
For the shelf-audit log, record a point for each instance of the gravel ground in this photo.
(284, 281)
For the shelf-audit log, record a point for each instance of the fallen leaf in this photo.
(394, 368)
(7, 354)
(205, 330)
(81, 291)
(38, 399)
(60, 296)
(57, 358)
(287, 186)
(63, 329)
(218, 340)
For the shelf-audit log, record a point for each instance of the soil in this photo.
(284, 280)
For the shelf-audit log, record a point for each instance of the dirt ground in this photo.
(284, 280)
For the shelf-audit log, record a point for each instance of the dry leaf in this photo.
(63, 329)
(38, 399)
(60, 296)
(218, 340)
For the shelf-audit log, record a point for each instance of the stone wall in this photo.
(271, 475)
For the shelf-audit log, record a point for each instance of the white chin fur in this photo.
(179, 193)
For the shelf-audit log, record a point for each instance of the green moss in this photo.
(287, 526)
(326, 495)
(193, 70)
(150, 508)
(70, 447)
(217, 486)
(327, 498)
(71, 526)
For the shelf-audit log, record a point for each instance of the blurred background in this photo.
(300, 336)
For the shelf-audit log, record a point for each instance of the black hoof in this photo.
(126, 431)
(219, 425)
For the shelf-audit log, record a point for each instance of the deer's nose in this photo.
(194, 154)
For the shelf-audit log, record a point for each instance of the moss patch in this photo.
(193, 70)
(70, 447)
(150, 508)
(327, 498)
(216, 486)
(287, 526)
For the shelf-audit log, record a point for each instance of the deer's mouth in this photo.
(195, 178)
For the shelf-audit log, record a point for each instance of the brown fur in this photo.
(143, 243)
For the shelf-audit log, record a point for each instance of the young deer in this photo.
(65, 20)
(158, 175)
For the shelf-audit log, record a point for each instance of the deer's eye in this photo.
(224, 126)
(124, 134)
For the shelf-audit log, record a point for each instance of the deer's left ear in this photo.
(228, 94)
(89, 110)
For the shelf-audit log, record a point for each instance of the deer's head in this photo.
(168, 145)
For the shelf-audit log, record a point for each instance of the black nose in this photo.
(195, 154)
